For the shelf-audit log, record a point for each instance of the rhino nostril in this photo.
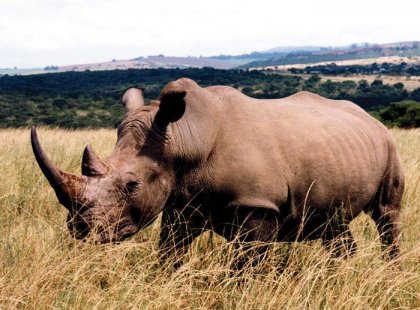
(132, 186)
(79, 229)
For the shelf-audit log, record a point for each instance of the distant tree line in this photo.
(308, 57)
(385, 69)
(91, 99)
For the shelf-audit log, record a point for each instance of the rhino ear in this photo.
(132, 99)
(172, 107)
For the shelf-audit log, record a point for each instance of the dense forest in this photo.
(91, 99)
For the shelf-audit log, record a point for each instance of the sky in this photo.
(37, 33)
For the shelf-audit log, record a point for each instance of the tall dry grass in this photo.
(42, 267)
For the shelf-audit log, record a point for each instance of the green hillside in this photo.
(91, 99)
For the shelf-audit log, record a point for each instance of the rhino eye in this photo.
(132, 186)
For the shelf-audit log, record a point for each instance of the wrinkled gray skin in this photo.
(298, 168)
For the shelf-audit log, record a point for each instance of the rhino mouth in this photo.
(90, 229)
(104, 238)
(123, 233)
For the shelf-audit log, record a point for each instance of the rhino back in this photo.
(320, 152)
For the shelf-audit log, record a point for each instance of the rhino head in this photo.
(114, 198)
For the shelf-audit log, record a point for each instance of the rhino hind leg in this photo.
(387, 223)
(386, 207)
(339, 240)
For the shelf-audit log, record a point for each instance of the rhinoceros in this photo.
(291, 169)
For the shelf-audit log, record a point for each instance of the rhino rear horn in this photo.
(92, 165)
(132, 99)
(68, 187)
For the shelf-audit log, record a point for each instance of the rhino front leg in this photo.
(253, 232)
(178, 230)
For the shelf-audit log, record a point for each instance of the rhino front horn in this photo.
(67, 186)
(92, 165)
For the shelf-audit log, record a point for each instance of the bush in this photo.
(404, 114)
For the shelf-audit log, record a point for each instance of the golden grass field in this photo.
(410, 82)
(42, 267)
(364, 61)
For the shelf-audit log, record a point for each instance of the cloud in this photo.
(44, 32)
